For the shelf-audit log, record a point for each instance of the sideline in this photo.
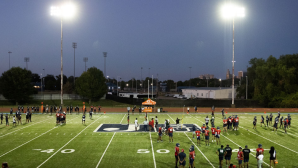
(67, 143)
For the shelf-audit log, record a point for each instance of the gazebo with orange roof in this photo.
(148, 105)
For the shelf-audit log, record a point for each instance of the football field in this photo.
(108, 141)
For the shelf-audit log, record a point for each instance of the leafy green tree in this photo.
(91, 84)
(15, 85)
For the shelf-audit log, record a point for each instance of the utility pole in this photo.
(246, 86)
(85, 60)
(189, 75)
(9, 52)
(105, 56)
(74, 46)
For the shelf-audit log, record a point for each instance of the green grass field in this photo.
(43, 144)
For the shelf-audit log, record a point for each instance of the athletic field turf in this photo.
(43, 144)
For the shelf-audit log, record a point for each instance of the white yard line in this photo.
(27, 142)
(122, 118)
(152, 151)
(233, 142)
(270, 140)
(24, 127)
(105, 150)
(199, 150)
(171, 118)
(67, 143)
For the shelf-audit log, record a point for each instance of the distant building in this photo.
(209, 92)
(240, 74)
(228, 75)
(206, 76)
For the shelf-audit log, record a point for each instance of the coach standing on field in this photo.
(246, 152)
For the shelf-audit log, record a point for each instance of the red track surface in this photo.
(175, 109)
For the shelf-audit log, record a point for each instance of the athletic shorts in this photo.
(170, 134)
(213, 134)
(240, 161)
(207, 137)
(136, 125)
(193, 132)
(183, 163)
(206, 123)
(217, 136)
(246, 160)
(220, 157)
(236, 124)
(203, 131)
(270, 119)
(285, 126)
(176, 157)
(289, 123)
(57, 118)
(83, 119)
(228, 157)
(160, 134)
(198, 137)
(275, 125)
(191, 160)
(254, 123)
(230, 124)
(225, 125)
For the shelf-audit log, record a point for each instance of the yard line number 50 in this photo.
(158, 151)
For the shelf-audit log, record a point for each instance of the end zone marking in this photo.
(199, 150)
(66, 143)
(105, 150)
(152, 151)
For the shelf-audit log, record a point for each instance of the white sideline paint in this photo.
(171, 118)
(23, 128)
(152, 151)
(270, 140)
(199, 150)
(122, 118)
(67, 143)
(27, 142)
(105, 150)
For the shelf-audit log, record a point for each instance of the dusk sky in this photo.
(168, 36)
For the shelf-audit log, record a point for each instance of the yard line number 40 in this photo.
(52, 150)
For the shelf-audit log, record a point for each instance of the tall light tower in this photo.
(141, 76)
(105, 56)
(74, 46)
(26, 59)
(9, 52)
(85, 59)
(189, 75)
(66, 10)
(231, 11)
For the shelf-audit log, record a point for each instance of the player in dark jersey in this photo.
(27, 117)
(223, 113)
(285, 125)
(278, 114)
(267, 120)
(281, 122)
(228, 154)
(262, 120)
(70, 109)
(289, 123)
(1, 116)
(127, 119)
(83, 118)
(213, 109)
(6, 119)
(255, 123)
(275, 124)
(90, 114)
(270, 119)
(246, 152)
(11, 111)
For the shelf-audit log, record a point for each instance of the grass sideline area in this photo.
(42, 143)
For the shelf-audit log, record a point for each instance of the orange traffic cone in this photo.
(264, 112)
(104, 112)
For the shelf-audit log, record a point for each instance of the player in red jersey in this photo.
(240, 157)
(203, 128)
(192, 157)
(198, 133)
(259, 150)
(176, 154)
(170, 131)
(159, 134)
(213, 130)
(217, 135)
(207, 136)
(225, 124)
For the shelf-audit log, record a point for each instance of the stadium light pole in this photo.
(141, 76)
(117, 84)
(220, 82)
(231, 11)
(85, 59)
(26, 59)
(246, 86)
(105, 56)
(9, 52)
(65, 10)
(74, 46)
(189, 75)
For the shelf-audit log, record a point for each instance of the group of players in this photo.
(17, 118)
(284, 123)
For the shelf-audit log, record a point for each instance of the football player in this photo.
(213, 109)
(289, 119)
(127, 119)
(176, 153)
(90, 114)
(236, 122)
(223, 113)
(14, 123)
(207, 136)
(136, 124)
(207, 121)
(27, 117)
(170, 130)
(225, 124)
(281, 122)
(270, 119)
(198, 133)
(156, 122)
(212, 120)
(259, 150)
(213, 130)
(285, 125)
(57, 117)
(177, 123)
(1, 117)
(262, 120)
(267, 120)
(203, 128)
(275, 126)
(159, 134)
(217, 135)
(83, 118)
(181, 157)
(6, 119)
(255, 123)
(192, 157)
